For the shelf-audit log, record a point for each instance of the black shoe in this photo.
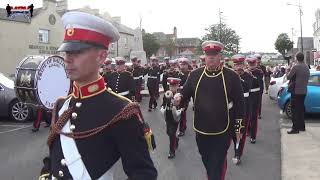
(35, 129)
(259, 117)
(171, 155)
(252, 140)
(293, 131)
(149, 109)
(181, 134)
(177, 145)
(302, 129)
(236, 160)
(47, 125)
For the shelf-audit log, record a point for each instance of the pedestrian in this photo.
(202, 60)
(298, 76)
(93, 127)
(218, 108)
(8, 9)
(172, 113)
(246, 82)
(267, 78)
(255, 95)
(121, 81)
(153, 82)
(194, 64)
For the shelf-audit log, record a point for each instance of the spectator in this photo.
(298, 77)
(267, 77)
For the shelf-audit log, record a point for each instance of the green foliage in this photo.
(225, 35)
(150, 44)
(283, 44)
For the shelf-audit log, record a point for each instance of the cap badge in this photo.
(70, 31)
(93, 88)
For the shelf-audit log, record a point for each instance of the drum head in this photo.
(52, 81)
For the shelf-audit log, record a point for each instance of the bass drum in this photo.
(41, 80)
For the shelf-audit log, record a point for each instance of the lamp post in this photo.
(300, 12)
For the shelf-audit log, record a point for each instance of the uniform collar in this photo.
(90, 89)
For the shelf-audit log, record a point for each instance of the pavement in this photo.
(299, 152)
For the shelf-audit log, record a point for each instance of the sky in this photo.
(257, 22)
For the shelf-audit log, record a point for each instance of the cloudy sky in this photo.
(258, 22)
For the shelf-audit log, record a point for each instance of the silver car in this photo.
(10, 106)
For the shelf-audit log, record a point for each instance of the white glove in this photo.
(162, 110)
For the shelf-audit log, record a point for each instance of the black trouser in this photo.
(172, 127)
(213, 151)
(260, 102)
(297, 106)
(152, 94)
(255, 103)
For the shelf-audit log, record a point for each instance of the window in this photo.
(43, 36)
(314, 80)
(126, 42)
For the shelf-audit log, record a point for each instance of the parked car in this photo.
(275, 85)
(312, 100)
(10, 106)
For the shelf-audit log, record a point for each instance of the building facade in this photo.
(172, 46)
(19, 36)
(43, 33)
(316, 38)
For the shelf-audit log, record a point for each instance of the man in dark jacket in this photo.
(94, 127)
(218, 108)
(299, 76)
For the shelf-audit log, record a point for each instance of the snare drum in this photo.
(40, 80)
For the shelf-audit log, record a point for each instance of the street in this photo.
(22, 151)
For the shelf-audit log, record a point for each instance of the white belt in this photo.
(230, 105)
(124, 93)
(255, 90)
(138, 77)
(72, 156)
(246, 94)
(153, 77)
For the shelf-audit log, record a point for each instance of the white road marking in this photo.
(15, 129)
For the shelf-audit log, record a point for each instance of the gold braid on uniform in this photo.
(127, 112)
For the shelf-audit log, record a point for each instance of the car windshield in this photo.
(6, 81)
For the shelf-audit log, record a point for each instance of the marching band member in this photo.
(121, 81)
(202, 60)
(218, 108)
(137, 72)
(254, 97)
(183, 75)
(93, 127)
(107, 69)
(172, 113)
(246, 82)
(263, 69)
(194, 64)
(171, 72)
(153, 82)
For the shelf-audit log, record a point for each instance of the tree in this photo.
(225, 35)
(150, 44)
(283, 44)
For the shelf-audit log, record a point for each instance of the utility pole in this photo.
(300, 11)
(220, 28)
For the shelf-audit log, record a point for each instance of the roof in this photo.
(187, 42)
(19, 18)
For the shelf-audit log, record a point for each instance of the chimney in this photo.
(175, 32)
